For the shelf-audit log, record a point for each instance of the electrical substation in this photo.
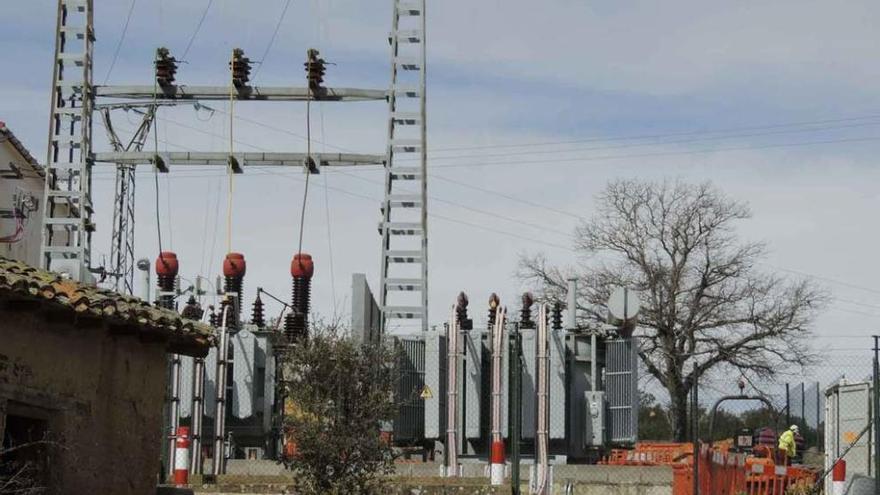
(537, 383)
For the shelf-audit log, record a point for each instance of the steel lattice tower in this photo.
(122, 239)
(404, 226)
(67, 225)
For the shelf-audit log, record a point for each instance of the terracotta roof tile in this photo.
(21, 281)
(21, 148)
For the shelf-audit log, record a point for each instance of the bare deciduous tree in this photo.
(705, 305)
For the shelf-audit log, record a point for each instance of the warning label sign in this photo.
(426, 393)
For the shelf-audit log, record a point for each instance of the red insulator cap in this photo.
(302, 266)
(234, 265)
(166, 264)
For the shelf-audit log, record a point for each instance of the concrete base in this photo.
(253, 478)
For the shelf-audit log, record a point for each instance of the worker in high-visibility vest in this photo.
(787, 443)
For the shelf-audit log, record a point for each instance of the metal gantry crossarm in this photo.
(404, 225)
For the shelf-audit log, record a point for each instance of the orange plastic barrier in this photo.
(651, 454)
(723, 473)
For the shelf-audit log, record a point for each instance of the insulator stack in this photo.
(257, 317)
(557, 316)
(240, 66)
(234, 269)
(212, 317)
(315, 69)
(461, 305)
(192, 310)
(296, 324)
(525, 315)
(494, 301)
(166, 67)
(167, 269)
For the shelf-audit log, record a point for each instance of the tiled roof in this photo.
(19, 281)
(21, 148)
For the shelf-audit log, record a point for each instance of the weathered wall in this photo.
(103, 394)
(28, 249)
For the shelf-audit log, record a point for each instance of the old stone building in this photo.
(82, 379)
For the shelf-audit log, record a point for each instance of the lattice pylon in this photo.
(404, 225)
(67, 224)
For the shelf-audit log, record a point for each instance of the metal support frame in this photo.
(252, 93)
(67, 212)
(198, 414)
(406, 250)
(251, 159)
(219, 459)
(67, 224)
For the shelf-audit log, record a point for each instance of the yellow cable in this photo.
(229, 171)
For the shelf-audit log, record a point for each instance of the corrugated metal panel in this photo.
(505, 382)
(211, 382)
(243, 374)
(486, 385)
(186, 386)
(409, 425)
(472, 382)
(269, 385)
(557, 385)
(435, 381)
(621, 390)
(528, 383)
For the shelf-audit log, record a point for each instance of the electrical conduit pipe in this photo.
(452, 395)
(542, 433)
(496, 457)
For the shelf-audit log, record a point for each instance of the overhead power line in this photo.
(195, 33)
(576, 160)
(121, 40)
(272, 40)
(662, 143)
(533, 204)
(659, 135)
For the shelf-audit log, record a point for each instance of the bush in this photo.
(339, 393)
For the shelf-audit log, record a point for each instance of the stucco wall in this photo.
(104, 394)
(28, 249)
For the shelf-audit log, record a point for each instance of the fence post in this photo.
(876, 410)
(696, 428)
(787, 407)
(804, 409)
(820, 437)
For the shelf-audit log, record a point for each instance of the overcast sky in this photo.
(790, 85)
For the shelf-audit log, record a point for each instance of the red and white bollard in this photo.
(496, 463)
(181, 457)
(838, 478)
